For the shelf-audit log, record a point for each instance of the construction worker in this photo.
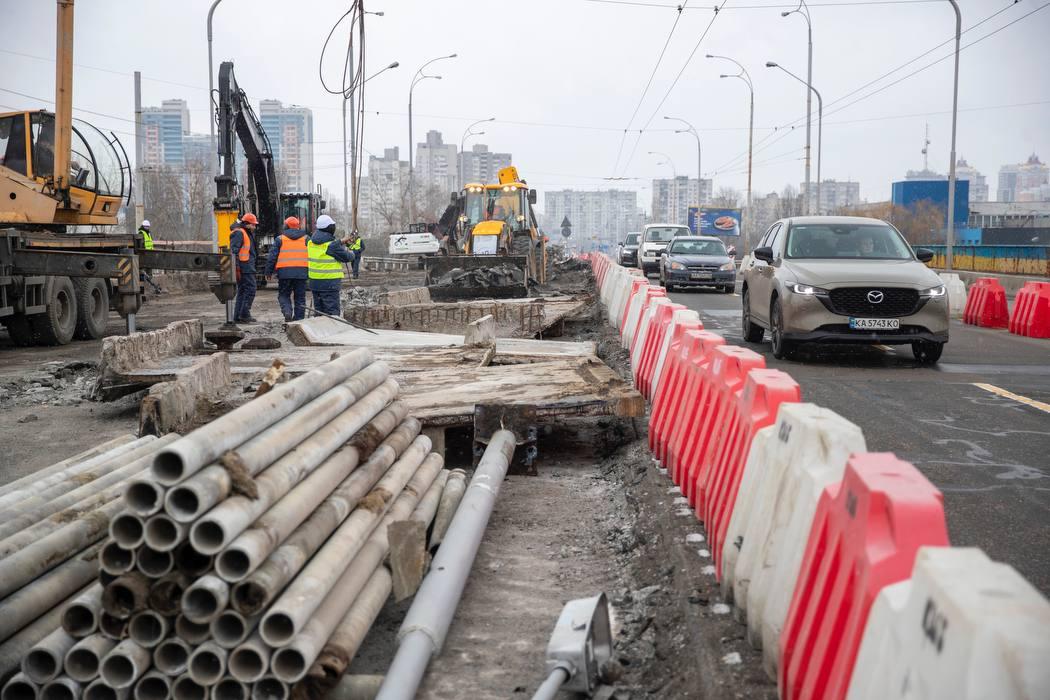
(288, 257)
(147, 243)
(242, 246)
(357, 248)
(326, 256)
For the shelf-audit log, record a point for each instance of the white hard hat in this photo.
(145, 223)
(324, 221)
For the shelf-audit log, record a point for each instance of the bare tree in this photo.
(728, 197)
(790, 203)
(199, 198)
(163, 200)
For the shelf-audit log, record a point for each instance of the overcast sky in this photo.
(564, 77)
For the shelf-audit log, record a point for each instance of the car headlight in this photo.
(677, 266)
(807, 290)
(728, 266)
(934, 292)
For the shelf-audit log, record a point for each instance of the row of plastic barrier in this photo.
(1031, 314)
(836, 557)
(986, 304)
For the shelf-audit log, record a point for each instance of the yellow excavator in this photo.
(59, 175)
(501, 252)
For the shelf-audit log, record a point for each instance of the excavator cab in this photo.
(99, 176)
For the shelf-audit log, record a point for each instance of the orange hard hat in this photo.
(249, 218)
(291, 222)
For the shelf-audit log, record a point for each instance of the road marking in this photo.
(1045, 407)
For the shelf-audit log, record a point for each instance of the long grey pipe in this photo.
(422, 634)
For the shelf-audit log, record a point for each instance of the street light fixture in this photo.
(674, 173)
(419, 77)
(820, 130)
(467, 133)
(699, 172)
(746, 77)
(803, 10)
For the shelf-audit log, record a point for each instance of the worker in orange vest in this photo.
(288, 258)
(242, 246)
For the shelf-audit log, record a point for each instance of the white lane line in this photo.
(1040, 405)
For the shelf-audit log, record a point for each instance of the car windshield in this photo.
(697, 248)
(663, 234)
(856, 241)
(632, 239)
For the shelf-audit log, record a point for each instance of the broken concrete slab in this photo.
(480, 333)
(173, 406)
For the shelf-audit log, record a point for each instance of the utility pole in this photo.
(950, 238)
(135, 209)
(809, 90)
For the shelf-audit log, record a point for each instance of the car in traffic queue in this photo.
(655, 238)
(697, 261)
(843, 279)
(627, 252)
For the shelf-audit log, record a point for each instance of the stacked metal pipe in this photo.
(249, 555)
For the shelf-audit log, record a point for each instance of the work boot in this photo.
(247, 319)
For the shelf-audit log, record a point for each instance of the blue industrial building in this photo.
(908, 193)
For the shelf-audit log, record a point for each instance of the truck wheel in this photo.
(56, 325)
(20, 330)
(92, 308)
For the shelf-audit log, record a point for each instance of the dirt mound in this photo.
(498, 276)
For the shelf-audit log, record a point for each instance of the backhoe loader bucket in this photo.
(477, 276)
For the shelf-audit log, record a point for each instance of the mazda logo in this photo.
(875, 296)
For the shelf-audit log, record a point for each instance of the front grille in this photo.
(705, 268)
(854, 301)
(844, 329)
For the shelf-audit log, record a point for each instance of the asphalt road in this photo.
(988, 452)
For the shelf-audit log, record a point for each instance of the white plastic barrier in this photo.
(678, 317)
(963, 627)
(956, 293)
(759, 455)
(607, 283)
(615, 285)
(634, 315)
(812, 446)
(616, 312)
(643, 329)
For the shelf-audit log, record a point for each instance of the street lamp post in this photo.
(674, 181)
(211, 88)
(820, 128)
(699, 172)
(467, 133)
(746, 78)
(419, 77)
(809, 84)
(348, 95)
(950, 237)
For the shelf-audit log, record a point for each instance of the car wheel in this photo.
(782, 348)
(926, 352)
(752, 333)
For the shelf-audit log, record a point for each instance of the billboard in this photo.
(714, 221)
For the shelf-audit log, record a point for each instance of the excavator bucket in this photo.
(477, 276)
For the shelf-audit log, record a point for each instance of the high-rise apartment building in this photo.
(600, 219)
(291, 133)
(383, 198)
(672, 198)
(163, 129)
(1023, 182)
(479, 164)
(435, 164)
(834, 195)
(978, 182)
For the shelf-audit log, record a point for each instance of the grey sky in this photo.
(573, 62)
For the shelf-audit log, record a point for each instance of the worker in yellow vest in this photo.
(147, 243)
(357, 249)
(288, 258)
(326, 256)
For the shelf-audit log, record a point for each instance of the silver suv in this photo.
(843, 279)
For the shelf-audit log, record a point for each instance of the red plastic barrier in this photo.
(986, 304)
(1031, 315)
(650, 294)
(636, 284)
(654, 340)
(692, 408)
(724, 381)
(764, 391)
(864, 537)
(669, 393)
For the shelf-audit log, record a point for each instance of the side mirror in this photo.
(924, 255)
(765, 253)
(454, 198)
(532, 196)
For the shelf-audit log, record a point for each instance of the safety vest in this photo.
(292, 252)
(245, 253)
(147, 240)
(322, 265)
(356, 245)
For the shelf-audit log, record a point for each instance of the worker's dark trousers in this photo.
(286, 291)
(355, 263)
(327, 302)
(245, 296)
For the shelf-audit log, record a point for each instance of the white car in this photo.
(655, 238)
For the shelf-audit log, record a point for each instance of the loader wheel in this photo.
(56, 325)
(20, 330)
(522, 245)
(92, 308)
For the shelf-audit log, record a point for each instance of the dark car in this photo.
(627, 255)
(697, 261)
